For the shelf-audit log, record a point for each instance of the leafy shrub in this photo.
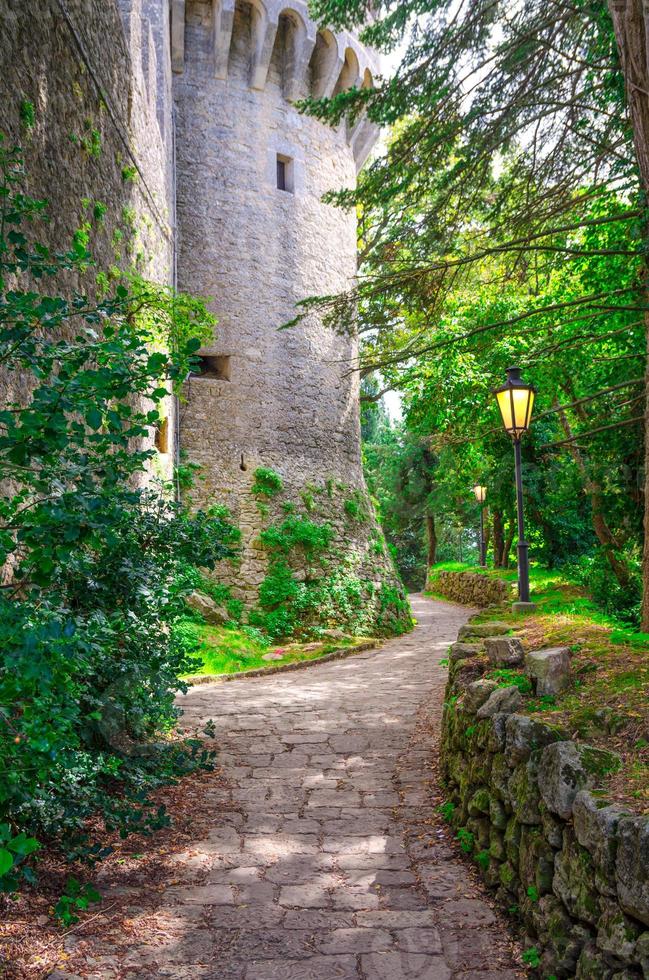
(594, 573)
(466, 839)
(91, 553)
(446, 810)
(75, 898)
(267, 483)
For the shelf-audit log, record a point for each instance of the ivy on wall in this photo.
(312, 584)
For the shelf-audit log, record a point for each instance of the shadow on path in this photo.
(325, 859)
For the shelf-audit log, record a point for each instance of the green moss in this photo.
(27, 114)
(506, 677)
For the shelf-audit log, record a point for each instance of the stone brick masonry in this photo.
(195, 189)
(524, 798)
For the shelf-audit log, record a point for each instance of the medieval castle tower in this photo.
(196, 99)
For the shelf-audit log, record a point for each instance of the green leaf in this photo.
(6, 861)
(94, 418)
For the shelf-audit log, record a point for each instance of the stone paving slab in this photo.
(325, 860)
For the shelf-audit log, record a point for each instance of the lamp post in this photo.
(515, 401)
(480, 496)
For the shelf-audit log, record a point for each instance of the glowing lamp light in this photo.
(515, 401)
(480, 494)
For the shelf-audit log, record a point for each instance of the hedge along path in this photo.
(324, 856)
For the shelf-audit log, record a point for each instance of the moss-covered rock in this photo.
(497, 845)
(497, 814)
(592, 965)
(524, 791)
(632, 867)
(513, 841)
(573, 881)
(479, 802)
(508, 877)
(500, 776)
(617, 934)
(596, 829)
(523, 735)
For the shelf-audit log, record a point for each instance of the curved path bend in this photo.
(325, 859)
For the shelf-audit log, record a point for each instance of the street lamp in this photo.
(515, 401)
(480, 496)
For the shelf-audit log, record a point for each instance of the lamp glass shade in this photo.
(515, 401)
(480, 494)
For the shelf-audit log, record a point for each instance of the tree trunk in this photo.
(605, 536)
(431, 540)
(507, 546)
(631, 27)
(499, 538)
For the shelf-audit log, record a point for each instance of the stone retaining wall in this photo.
(523, 799)
(469, 588)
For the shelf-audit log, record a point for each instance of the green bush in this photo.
(91, 553)
(267, 483)
(594, 573)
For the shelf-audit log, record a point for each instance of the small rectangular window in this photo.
(284, 173)
(281, 174)
(215, 366)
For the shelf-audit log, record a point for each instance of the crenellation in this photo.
(222, 179)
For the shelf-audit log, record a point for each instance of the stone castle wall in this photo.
(98, 76)
(286, 400)
(195, 188)
(87, 71)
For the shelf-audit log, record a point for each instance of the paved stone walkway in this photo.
(326, 860)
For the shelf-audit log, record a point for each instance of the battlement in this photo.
(311, 61)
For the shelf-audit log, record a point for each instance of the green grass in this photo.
(231, 651)
(554, 593)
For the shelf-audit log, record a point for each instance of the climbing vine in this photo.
(312, 584)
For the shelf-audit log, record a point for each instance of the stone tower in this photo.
(255, 236)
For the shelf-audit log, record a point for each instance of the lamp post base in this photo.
(523, 607)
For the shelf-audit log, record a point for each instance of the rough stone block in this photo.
(464, 651)
(524, 734)
(566, 768)
(524, 792)
(496, 741)
(504, 651)
(632, 867)
(502, 701)
(596, 830)
(482, 630)
(479, 802)
(549, 669)
(617, 934)
(477, 693)
(211, 612)
(573, 881)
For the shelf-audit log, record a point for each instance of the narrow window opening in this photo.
(285, 173)
(161, 437)
(242, 464)
(213, 366)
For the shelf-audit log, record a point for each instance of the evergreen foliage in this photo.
(92, 552)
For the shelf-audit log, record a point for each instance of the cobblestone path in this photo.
(326, 860)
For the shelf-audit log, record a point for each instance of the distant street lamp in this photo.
(481, 496)
(515, 401)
